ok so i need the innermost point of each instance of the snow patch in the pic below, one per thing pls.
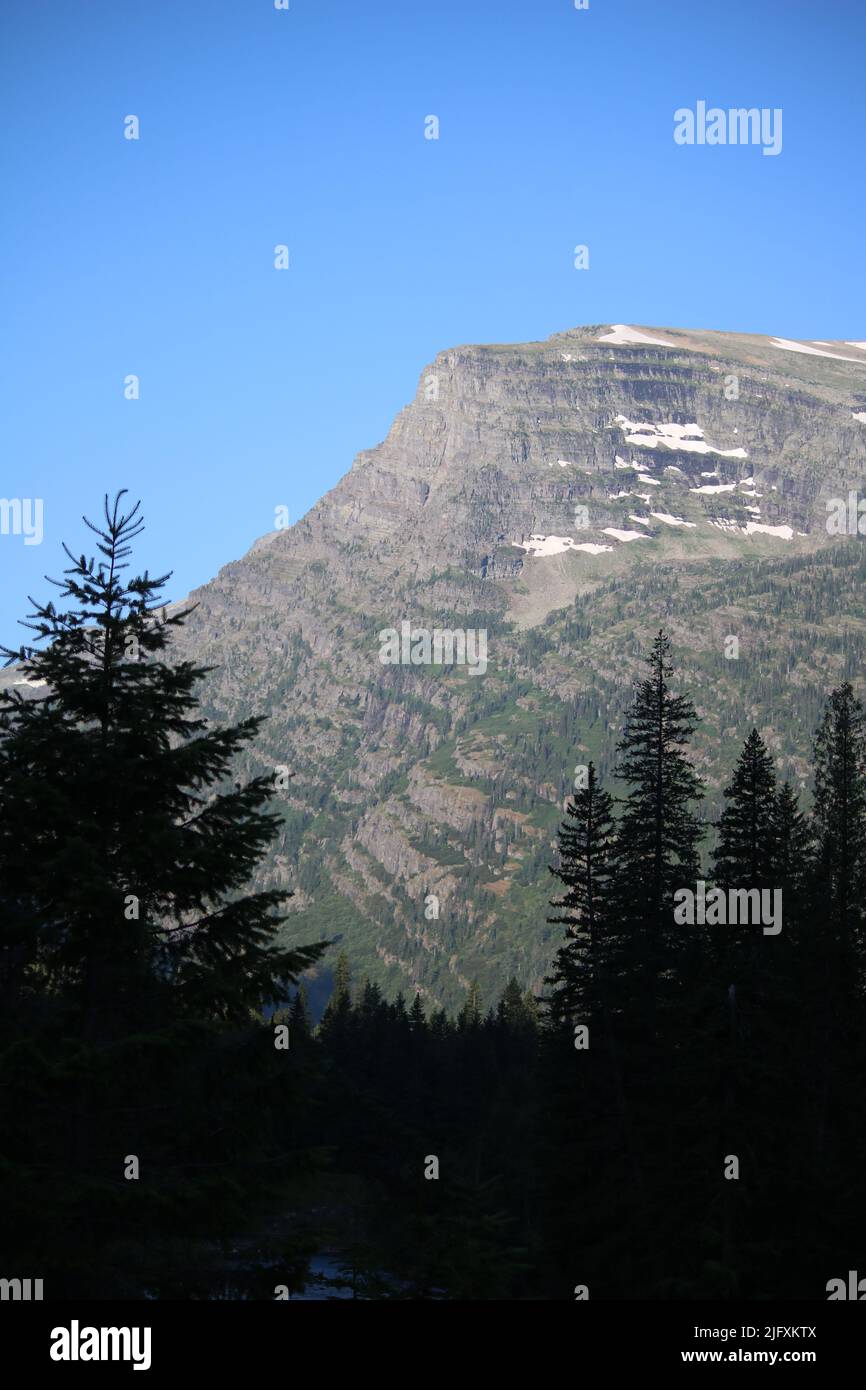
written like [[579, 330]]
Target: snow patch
[[621, 335], [788, 346], [714, 487], [672, 520], [782, 533], [684, 438], [642, 478], [624, 535], [753, 528], [859, 415], [555, 545]]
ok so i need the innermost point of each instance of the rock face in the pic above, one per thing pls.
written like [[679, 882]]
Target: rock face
[[567, 498]]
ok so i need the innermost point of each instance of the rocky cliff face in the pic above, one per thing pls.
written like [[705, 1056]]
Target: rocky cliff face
[[568, 498]]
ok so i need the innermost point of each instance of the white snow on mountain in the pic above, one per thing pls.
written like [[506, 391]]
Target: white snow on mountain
[[714, 487], [624, 535], [555, 545], [672, 520], [783, 533], [788, 346], [752, 528], [684, 438], [621, 335]]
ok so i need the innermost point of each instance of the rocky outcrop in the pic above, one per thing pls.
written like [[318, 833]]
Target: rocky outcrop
[[568, 497]]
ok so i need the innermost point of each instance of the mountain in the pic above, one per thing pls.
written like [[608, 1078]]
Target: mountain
[[568, 497]]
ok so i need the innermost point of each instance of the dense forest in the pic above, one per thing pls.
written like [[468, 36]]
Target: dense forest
[[678, 1115]]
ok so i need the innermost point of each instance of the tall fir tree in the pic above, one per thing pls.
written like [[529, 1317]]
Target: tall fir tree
[[129, 942], [658, 831], [745, 854], [793, 844], [840, 816], [127, 846], [586, 841]]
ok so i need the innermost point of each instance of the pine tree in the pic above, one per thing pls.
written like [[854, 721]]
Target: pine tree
[[658, 832], [469, 1016], [586, 842], [132, 953], [792, 840], [127, 849], [417, 1021], [745, 855], [840, 815], [299, 1016]]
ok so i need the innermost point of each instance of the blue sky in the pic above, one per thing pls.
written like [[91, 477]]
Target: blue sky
[[306, 127]]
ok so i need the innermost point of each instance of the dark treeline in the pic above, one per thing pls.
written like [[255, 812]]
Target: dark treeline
[[679, 1115]]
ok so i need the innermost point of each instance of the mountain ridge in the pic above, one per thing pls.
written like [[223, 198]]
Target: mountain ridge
[[569, 498]]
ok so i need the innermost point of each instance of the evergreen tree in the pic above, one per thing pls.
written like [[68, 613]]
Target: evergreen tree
[[586, 842], [792, 843], [127, 937], [126, 848], [417, 1021], [299, 1016], [658, 832], [840, 815], [745, 855], [470, 1015]]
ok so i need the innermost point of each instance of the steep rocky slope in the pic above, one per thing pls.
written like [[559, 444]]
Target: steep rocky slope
[[568, 497]]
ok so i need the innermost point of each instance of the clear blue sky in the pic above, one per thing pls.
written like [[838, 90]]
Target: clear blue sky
[[306, 127]]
